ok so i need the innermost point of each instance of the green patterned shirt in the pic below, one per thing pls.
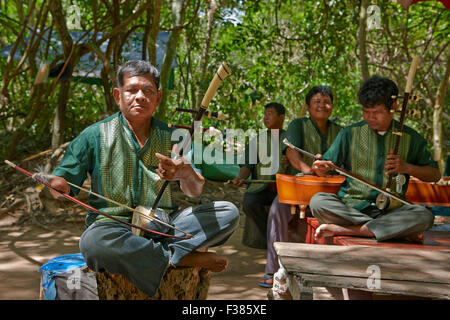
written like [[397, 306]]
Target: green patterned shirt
[[257, 169], [305, 134], [119, 168], [363, 151]]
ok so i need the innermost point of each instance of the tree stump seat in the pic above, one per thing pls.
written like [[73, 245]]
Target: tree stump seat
[[181, 283], [67, 277]]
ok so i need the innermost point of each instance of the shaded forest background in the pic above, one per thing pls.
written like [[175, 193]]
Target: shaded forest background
[[277, 50]]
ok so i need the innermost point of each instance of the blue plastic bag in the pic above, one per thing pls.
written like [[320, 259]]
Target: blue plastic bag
[[58, 266]]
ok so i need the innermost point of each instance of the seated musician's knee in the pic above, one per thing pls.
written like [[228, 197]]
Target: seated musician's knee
[[94, 249], [317, 201], [427, 218], [92, 253], [419, 217], [227, 212]]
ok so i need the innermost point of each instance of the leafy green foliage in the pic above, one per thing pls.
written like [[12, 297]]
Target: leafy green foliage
[[276, 50]]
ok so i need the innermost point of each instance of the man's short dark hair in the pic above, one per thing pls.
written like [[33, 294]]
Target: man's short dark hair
[[279, 108], [324, 90], [377, 90], [137, 68]]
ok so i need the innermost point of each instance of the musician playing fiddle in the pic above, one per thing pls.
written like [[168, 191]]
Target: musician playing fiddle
[[315, 134], [127, 155], [364, 150]]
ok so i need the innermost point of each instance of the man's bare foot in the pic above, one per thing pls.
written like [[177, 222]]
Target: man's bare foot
[[416, 238], [208, 260], [326, 230], [329, 230]]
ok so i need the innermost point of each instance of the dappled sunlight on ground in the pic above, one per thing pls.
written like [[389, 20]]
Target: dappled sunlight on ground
[[23, 249], [245, 268]]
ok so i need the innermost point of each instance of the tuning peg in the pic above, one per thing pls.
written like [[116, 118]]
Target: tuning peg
[[410, 97], [180, 126], [413, 112], [221, 116]]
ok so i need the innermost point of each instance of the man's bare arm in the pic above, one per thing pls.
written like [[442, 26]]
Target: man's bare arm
[[191, 182], [296, 160], [244, 173], [395, 164]]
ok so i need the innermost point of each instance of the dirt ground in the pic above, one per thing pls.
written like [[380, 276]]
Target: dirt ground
[[30, 235]]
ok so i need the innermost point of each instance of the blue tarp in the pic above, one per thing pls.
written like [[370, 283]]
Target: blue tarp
[[55, 267]]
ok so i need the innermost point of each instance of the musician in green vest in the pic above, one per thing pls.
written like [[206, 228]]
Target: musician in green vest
[[128, 157], [364, 150], [260, 195], [314, 134]]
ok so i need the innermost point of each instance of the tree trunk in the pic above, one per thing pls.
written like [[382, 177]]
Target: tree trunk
[[178, 11], [362, 31], [437, 118], [70, 54], [154, 30], [59, 121], [213, 5], [109, 100]]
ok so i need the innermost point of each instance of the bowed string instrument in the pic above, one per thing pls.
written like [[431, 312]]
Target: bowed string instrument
[[223, 72], [384, 201], [220, 75], [346, 173], [43, 179]]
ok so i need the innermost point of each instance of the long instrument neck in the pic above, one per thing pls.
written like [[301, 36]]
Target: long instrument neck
[[398, 133], [220, 75]]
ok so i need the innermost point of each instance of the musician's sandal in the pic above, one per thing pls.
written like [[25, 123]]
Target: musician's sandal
[[267, 282]]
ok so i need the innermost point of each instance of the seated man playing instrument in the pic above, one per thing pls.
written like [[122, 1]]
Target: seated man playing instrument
[[127, 156], [314, 134], [364, 150], [259, 194]]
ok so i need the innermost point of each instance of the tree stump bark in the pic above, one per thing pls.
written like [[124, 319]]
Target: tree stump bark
[[181, 283]]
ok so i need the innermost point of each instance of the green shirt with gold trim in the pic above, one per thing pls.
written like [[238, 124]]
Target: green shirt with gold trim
[[305, 134], [258, 168], [362, 151], [119, 168]]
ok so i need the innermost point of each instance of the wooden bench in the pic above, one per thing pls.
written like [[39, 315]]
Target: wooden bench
[[420, 273], [434, 244], [423, 270], [433, 240]]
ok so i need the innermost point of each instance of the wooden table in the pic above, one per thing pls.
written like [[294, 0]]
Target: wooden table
[[331, 262], [420, 273], [433, 240]]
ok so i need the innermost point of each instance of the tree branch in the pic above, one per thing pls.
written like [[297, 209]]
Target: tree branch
[[194, 15], [117, 29]]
